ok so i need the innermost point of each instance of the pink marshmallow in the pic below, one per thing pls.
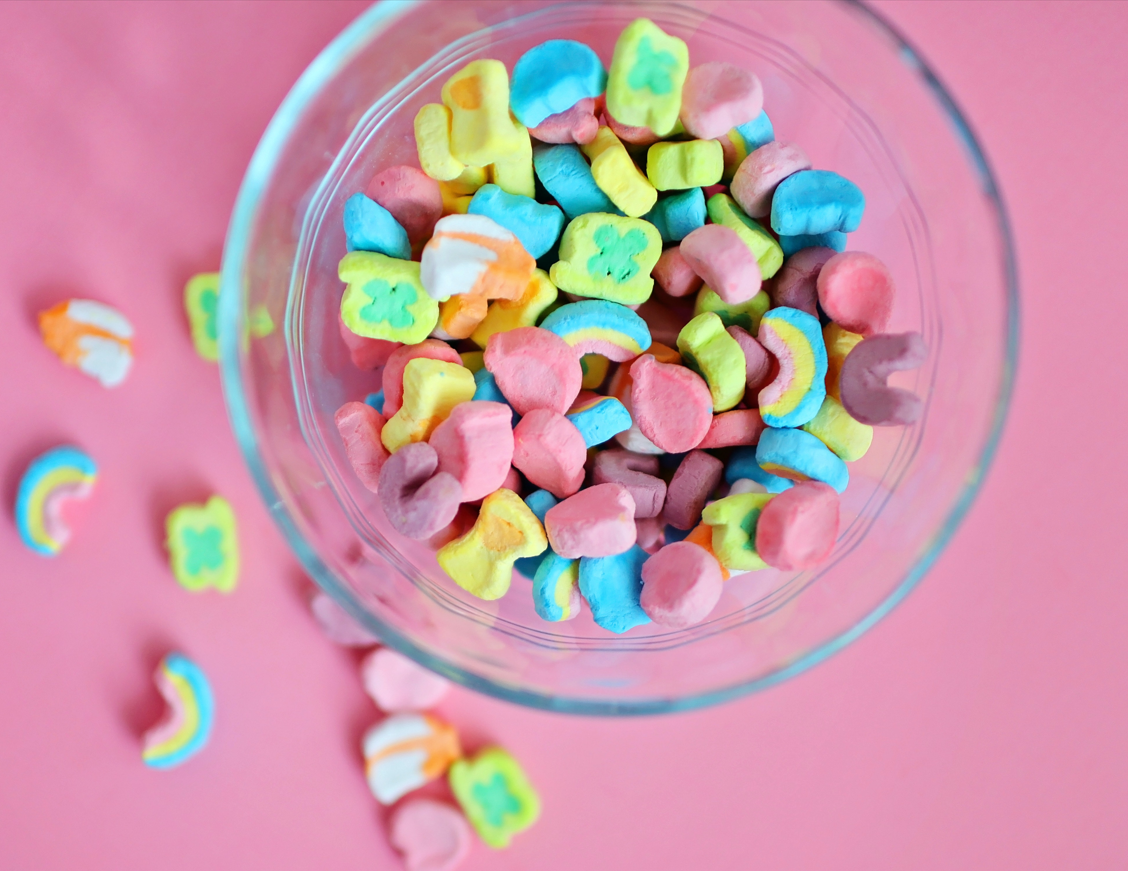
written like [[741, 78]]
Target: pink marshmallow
[[475, 444], [674, 274], [723, 261], [397, 684], [431, 835], [796, 283], [670, 403], [550, 452], [718, 96], [577, 124], [758, 361], [760, 173], [534, 368], [366, 353], [681, 584], [741, 426], [650, 533], [360, 426], [418, 500], [597, 521], [696, 478], [339, 625], [412, 197], [856, 291], [432, 349], [798, 527], [638, 473], [861, 384]]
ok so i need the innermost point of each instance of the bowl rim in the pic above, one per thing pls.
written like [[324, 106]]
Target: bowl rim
[[230, 315]]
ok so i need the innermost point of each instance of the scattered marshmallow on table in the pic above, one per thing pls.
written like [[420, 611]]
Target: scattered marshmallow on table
[[53, 490], [495, 794], [202, 545], [405, 751], [398, 685], [186, 726], [430, 835], [91, 336]]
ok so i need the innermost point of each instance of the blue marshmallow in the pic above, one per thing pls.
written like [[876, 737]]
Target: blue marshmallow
[[602, 419], [756, 132], [376, 400], [536, 225], [371, 227], [742, 464], [801, 452], [567, 177], [539, 501], [816, 201], [679, 215], [612, 586], [553, 77], [835, 239]]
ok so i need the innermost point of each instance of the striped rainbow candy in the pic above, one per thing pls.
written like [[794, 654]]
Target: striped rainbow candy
[[92, 336], [187, 725], [51, 485], [473, 254], [406, 751], [598, 326], [556, 594], [795, 338]]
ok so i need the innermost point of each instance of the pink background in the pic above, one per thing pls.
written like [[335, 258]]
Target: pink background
[[981, 725]]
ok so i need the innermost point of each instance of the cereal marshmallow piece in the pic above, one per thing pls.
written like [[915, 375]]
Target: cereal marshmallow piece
[[835, 428], [418, 499], [203, 550], [431, 390], [617, 176], [856, 291], [91, 336], [697, 476], [432, 140], [608, 257], [817, 201], [678, 215], [745, 315], [535, 225], [866, 396], [599, 418], [681, 584], [186, 726], [794, 396], [385, 298], [534, 368], [495, 795], [839, 343], [550, 451], [671, 404], [371, 227], [717, 97], [796, 284], [552, 78], [742, 466], [644, 84], [674, 274], [724, 262], [430, 835], [474, 255], [611, 586], [514, 172], [405, 751], [481, 561], [568, 179], [596, 326], [360, 426], [638, 473], [392, 376], [757, 360], [556, 594], [835, 240], [509, 314], [475, 444], [733, 521], [596, 522], [481, 130], [54, 485], [741, 426], [539, 501], [723, 210], [761, 172], [577, 124], [715, 356], [797, 529], [201, 301], [675, 166], [798, 455], [412, 197]]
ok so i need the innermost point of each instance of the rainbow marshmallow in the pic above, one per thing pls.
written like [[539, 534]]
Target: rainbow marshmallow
[[50, 487], [187, 725], [796, 393], [406, 751], [597, 326], [91, 336]]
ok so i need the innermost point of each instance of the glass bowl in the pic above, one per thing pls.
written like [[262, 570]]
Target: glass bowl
[[839, 82]]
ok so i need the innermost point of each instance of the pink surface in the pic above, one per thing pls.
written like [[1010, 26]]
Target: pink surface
[[980, 726]]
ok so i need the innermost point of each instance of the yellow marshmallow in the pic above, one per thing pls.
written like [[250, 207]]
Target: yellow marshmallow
[[723, 210], [738, 314], [834, 427], [504, 315], [716, 356], [481, 130], [431, 390], [453, 203], [432, 140], [733, 523], [481, 561], [617, 176], [839, 343], [672, 166], [595, 368], [473, 360], [644, 83], [472, 178], [514, 174]]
